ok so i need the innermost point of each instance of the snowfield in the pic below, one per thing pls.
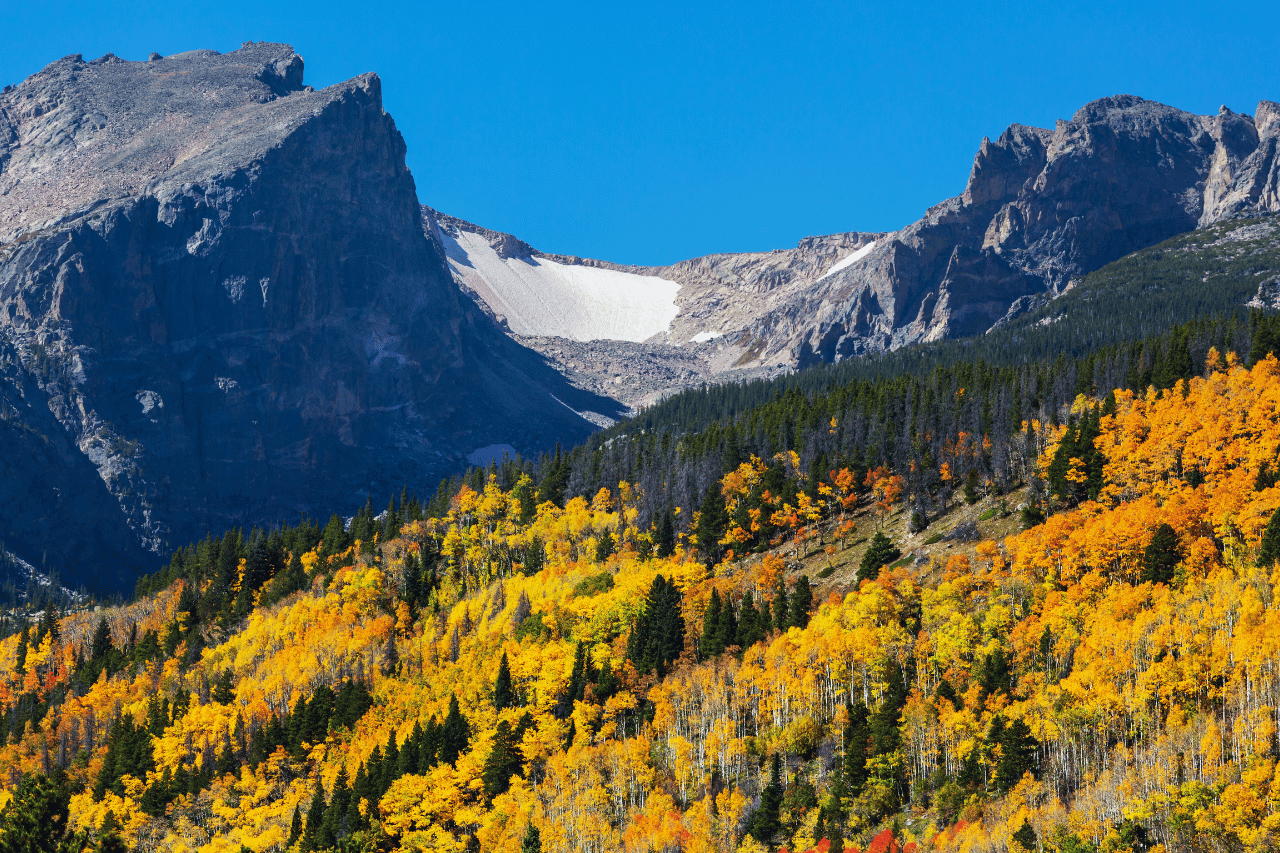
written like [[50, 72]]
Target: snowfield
[[542, 297], [849, 260]]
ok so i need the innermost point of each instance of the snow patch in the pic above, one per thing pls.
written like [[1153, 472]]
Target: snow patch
[[538, 296], [703, 337], [849, 260], [482, 456]]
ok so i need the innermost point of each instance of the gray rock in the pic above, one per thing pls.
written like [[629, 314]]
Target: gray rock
[[218, 307]]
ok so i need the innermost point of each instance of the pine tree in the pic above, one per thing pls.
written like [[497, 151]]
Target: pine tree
[[101, 643], [765, 822], [713, 521], [1161, 556], [1270, 551], [504, 694], [879, 554], [749, 629], [532, 840], [657, 635], [727, 630], [801, 603], [857, 746], [1026, 836], [24, 638], [455, 734], [504, 761], [315, 817], [780, 605], [885, 734], [295, 827], [604, 546], [666, 534], [37, 816], [334, 825], [1017, 755]]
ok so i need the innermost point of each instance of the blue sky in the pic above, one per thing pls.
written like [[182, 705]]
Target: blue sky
[[650, 132]]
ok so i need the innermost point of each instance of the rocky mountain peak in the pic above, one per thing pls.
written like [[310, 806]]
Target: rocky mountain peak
[[218, 308]]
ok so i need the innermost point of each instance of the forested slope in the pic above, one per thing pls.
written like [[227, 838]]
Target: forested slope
[[509, 674]]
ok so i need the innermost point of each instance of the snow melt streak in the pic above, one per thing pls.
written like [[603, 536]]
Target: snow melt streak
[[849, 260]]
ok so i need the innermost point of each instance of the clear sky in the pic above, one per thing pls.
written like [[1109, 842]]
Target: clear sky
[[650, 132]]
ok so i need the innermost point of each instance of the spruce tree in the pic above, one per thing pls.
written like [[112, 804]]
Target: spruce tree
[[766, 822], [1161, 556], [666, 534], [315, 817], [504, 761], [727, 630], [780, 605], [532, 840], [713, 521], [657, 635], [857, 746], [1270, 551], [749, 630], [455, 734], [879, 554], [1017, 755], [504, 694], [604, 545], [1025, 837], [801, 603], [295, 827]]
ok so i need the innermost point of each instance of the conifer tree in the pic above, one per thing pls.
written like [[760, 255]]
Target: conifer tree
[[455, 734], [315, 817], [801, 603], [504, 694], [657, 635], [1270, 551], [879, 554], [504, 761], [1161, 556], [780, 605], [1017, 755], [713, 521], [532, 840], [766, 822], [710, 645], [750, 631], [857, 743], [1025, 837], [666, 534], [295, 827], [727, 630], [604, 545]]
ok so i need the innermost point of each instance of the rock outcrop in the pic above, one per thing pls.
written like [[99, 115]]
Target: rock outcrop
[[218, 307], [1041, 207]]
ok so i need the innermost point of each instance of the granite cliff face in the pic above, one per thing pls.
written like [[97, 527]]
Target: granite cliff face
[[218, 307]]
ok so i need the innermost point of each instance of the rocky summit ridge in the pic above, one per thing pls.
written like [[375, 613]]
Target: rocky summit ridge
[[218, 308], [1041, 208]]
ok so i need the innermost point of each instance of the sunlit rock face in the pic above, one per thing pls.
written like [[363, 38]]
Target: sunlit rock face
[[218, 307]]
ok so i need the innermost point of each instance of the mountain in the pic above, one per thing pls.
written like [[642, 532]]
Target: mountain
[[1041, 208], [218, 308]]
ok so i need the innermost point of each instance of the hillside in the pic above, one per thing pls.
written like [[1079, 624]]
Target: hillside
[[488, 671]]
